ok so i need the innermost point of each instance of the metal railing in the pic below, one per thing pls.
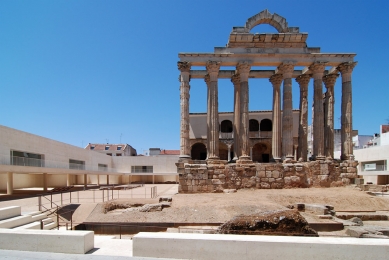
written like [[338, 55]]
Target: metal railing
[[24, 161], [60, 199], [6, 159]]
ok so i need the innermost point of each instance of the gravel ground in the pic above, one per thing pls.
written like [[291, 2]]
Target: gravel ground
[[221, 207]]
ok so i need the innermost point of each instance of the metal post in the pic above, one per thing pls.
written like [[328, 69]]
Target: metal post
[[118, 194], [40, 203], [103, 194], [51, 200], [61, 198], [78, 197], [120, 228], [57, 219], [41, 224], [71, 221], [70, 197]]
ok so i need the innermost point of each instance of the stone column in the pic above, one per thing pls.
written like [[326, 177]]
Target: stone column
[[213, 110], [44, 176], [207, 80], [346, 117], [329, 82], [302, 149], [10, 183], [318, 120], [236, 81], [184, 67], [287, 110], [276, 81], [243, 69]]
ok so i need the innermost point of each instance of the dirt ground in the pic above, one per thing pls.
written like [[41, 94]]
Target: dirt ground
[[221, 207]]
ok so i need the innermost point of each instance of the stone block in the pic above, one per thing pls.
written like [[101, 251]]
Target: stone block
[[295, 179], [216, 182], [299, 169], [194, 188], [287, 180], [280, 180], [272, 180], [265, 185], [323, 178], [261, 174], [275, 185], [265, 179], [221, 176], [268, 174], [210, 188], [189, 176], [275, 174], [356, 232], [351, 170]]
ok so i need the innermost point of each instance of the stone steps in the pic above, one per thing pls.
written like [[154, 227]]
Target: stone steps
[[11, 218]]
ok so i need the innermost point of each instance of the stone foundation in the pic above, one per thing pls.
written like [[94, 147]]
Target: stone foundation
[[217, 175]]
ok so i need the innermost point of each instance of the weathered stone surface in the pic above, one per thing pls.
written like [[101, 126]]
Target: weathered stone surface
[[283, 222]]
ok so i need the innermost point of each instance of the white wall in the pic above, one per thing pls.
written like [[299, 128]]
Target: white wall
[[56, 154]]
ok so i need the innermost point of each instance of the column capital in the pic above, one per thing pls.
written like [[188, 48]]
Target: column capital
[[286, 68], [317, 69], [276, 80], [346, 67], [184, 66], [303, 80], [213, 69], [330, 79], [235, 79], [243, 70]]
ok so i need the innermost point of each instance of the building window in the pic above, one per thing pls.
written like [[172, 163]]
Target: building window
[[107, 147], [109, 154], [119, 148], [76, 164], [266, 125], [141, 169], [102, 167], [226, 126], [118, 154], [26, 159], [92, 147], [253, 125]]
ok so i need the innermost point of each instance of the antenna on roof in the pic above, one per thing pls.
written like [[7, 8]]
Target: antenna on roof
[[107, 140]]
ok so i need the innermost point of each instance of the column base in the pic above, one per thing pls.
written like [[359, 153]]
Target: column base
[[277, 159]]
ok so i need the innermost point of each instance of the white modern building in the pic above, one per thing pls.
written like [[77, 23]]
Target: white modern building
[[372, 153], [28, 160]]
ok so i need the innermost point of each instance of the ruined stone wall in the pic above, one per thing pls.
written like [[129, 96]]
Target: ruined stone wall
[[218, 175]]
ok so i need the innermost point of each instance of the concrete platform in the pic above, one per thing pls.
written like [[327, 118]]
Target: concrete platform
[[207, 246], [55, 241]]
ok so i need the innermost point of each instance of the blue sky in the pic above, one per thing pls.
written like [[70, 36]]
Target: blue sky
[[105, 71]]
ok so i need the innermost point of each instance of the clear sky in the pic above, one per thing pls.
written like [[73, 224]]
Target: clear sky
[[84, 72]]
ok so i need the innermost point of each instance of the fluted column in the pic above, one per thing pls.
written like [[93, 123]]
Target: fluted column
[[287, 110], [207, 80], [318, 120], [184, 67], [213, 109], [236, 81], [346, 117], [329, 82], [276, 81], [243, 69], [302, 149]]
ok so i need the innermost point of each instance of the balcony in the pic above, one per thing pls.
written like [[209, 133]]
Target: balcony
[[24, 161], [260, 134]]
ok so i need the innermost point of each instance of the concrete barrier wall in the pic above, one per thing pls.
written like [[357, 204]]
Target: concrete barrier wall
[[55, 241], [207, 246], [9, 212]]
